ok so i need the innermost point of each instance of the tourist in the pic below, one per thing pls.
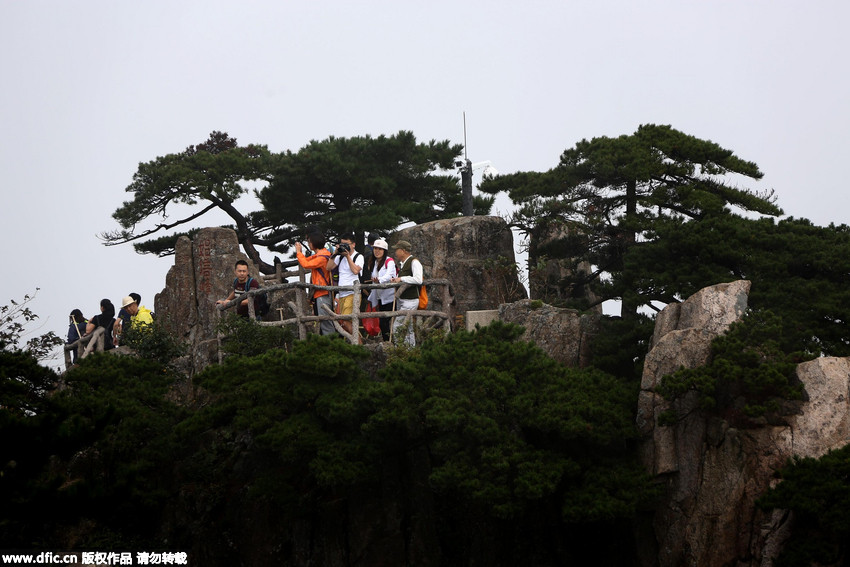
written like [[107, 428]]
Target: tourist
[[382, 268], [76, 331], [349, 263], [105, 319], [317, 263], [123, 317], [139, 314], [409, 272], [243, 283]]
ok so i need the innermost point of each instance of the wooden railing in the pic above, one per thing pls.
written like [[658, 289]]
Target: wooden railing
[[304, 313], [85, 345]]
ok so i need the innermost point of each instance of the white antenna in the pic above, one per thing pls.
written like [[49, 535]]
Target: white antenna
[[465, 151], [466, 167], [466, 176]]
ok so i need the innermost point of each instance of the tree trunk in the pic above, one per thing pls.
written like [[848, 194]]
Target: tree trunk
[[245, 237], [631, 300]]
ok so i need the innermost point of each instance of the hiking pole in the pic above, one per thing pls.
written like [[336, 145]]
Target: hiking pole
[[392, 323]]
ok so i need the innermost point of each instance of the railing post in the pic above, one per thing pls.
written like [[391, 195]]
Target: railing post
[[301, 300], [218, 336], [355, 311], [447, 299], [252, 313]]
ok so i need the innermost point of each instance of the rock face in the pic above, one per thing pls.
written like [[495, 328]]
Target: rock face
[[564, 334], [712, 472], [475, 253], [202, 273]]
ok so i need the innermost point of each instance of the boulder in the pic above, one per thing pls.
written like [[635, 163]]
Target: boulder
[[476, 254], [712, 472], [564, 334], [711, 309]]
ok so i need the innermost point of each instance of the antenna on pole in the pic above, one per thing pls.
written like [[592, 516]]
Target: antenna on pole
[[465, 151], [466, 176]]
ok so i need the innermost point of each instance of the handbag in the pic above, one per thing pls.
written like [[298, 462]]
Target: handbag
[[371, 325]]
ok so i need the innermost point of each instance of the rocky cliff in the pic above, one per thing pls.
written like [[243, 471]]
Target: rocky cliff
[[475, 253], [712, 472], [564, 334], [202, 273]]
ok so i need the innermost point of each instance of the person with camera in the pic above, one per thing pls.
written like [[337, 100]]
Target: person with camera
[[320, 274], [349, 263]]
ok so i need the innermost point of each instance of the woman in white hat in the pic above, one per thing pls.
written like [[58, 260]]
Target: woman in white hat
[[383, 270]]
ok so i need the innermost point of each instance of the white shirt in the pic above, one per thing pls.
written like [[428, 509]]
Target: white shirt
[[384, 271], [346, 276], [416, 268]]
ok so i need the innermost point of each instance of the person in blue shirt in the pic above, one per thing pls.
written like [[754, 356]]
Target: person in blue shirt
[[76, 330]]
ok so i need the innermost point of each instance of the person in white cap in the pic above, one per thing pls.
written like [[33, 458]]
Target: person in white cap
[[383, 270], [139, 314]]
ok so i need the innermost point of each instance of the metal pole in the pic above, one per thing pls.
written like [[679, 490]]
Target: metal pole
[[466, 186]]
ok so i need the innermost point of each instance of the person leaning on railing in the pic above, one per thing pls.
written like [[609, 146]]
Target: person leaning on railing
[[105, 319], [383, 270], [76, 330], [409, 272]]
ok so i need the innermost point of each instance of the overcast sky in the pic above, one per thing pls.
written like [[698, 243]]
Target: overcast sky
[[92, 88]]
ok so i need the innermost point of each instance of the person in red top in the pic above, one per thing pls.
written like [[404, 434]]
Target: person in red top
[[317, 263]]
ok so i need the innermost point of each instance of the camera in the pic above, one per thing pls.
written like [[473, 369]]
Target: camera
[[342, 248], [459, 163]]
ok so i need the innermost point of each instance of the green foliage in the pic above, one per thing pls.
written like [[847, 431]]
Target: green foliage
[[340, 184], [24, 384], [621, 345], [504, 435], [212, 174], [163, 245], [749, 375], [817, 491], [607, 192], [362, 184], [301, 411], [797, 269], [120, 405], [27, 421], [154, 342], [247, 338], [506, 425], [485, 428], [14, 319], [98, 449]]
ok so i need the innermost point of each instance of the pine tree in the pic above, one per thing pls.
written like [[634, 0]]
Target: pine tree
[[213, 174], [363, 184], [607, 193]]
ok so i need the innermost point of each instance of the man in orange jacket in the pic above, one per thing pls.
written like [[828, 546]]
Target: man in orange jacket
[[317, 263]]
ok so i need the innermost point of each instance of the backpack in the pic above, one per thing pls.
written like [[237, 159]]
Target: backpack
[[423, 297], [261, 302]]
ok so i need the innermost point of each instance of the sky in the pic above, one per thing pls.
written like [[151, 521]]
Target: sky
[[92, 88]]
